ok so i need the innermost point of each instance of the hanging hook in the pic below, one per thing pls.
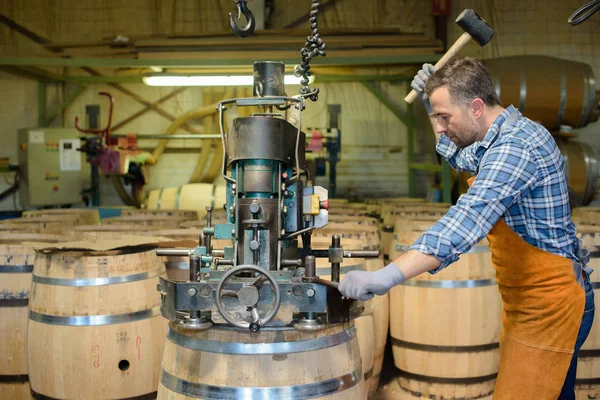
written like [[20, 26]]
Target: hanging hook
[[249, 28]]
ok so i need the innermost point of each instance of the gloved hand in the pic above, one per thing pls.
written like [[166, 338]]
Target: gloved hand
[[362, 285], [418, 83]]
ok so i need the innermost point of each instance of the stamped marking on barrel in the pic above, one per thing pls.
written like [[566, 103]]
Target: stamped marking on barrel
[[96, 355], [122, 337]]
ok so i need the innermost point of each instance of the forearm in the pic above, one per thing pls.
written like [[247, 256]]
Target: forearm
[[413, 263], [433, 120]]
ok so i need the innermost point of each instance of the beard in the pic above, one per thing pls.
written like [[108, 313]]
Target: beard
[[465, 134]]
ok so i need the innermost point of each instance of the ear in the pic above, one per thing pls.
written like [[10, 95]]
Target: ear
[[477, 106]]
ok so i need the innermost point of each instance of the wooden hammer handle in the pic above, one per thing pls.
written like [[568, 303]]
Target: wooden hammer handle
[[452, 51]]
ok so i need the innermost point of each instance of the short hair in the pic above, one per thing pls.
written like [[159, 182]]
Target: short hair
[[466, 79]]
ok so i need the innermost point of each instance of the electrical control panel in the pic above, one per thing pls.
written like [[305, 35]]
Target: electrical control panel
[[50, 166]]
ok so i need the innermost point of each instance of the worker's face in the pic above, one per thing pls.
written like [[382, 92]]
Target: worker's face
[[458, 123]]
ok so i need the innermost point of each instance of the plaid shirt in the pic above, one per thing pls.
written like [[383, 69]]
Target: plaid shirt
[[520, 178]]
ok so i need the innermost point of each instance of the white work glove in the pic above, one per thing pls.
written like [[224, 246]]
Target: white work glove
[[362, 285], [418, 83]]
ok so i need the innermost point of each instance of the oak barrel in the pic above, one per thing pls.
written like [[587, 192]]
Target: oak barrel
[[16, 265], [154, 222], [581, 170], [231, 364], [95, 329], [368, 235], [364, 324], [193, 196], [445, 327], [85, 216], [548, 90]]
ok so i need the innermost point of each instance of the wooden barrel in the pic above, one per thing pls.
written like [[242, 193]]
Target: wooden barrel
[[548, 90], [155, 222], [359, 219], [190, 215], [445, 327], [368, 235], [16, 265], [365, 324], [108, 232], [46, 224], [581, 169], [95, 329], [193, 196], [349, 209], [377, 206], [429, 211], [587, 384], [85, 216], [230, 364]]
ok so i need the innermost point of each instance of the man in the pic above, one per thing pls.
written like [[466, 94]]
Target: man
[[519, 199]]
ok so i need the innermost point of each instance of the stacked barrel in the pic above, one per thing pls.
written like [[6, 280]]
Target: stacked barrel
[[353, 221], [81, 323]]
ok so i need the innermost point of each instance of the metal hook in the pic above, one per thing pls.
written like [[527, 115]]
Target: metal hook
[[249, 28]]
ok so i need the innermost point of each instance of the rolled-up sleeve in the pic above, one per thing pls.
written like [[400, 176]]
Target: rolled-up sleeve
[[507, 172]]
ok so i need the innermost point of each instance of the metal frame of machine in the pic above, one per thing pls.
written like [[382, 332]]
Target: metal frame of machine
[[264, 279]]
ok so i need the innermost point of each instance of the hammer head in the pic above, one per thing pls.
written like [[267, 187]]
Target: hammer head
[[475, 26]]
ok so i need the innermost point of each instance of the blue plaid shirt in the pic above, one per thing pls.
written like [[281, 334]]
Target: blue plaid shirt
[[520, 178]]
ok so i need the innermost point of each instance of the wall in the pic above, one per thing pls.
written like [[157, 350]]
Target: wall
[[521, 28]]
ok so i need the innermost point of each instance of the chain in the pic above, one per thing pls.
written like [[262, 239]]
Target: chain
[[314, 47]]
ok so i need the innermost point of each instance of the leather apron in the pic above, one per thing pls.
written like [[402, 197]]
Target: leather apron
[[543, 309]]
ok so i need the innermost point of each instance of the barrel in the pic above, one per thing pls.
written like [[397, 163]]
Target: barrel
[[349, 208], [548, 90], [427, 211], [587, 383], [16, 265], [369, 237], [193, 196], [95, 329], [155, 222], [274, 363], [377, 206], [359, 219], [84, 216], [581, 170], [445, 327], [46, 224], [190, 215], [365, 324], [108, 232]]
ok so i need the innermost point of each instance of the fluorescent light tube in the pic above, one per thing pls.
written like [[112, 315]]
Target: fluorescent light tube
[[214, 80]]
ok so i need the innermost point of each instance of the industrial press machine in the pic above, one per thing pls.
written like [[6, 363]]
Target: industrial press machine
[[267, 276]]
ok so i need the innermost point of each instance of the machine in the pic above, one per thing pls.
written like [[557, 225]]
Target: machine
[[50, 166], [267, 276]]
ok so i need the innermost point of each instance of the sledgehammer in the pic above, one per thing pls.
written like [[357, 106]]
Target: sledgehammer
[[475, 28]]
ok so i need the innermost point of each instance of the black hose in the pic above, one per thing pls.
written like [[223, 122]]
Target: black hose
[[584, 12]]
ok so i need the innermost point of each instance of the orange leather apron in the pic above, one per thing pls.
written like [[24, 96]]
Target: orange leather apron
[[543, 309]]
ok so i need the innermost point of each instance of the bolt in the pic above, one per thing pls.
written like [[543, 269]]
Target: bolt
[[192, 291], [205, 290], [254, 208], [311, 292], [285, 209], [254, 245]]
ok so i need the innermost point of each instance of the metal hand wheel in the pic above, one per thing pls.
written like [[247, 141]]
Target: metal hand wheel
[[248, 296]]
